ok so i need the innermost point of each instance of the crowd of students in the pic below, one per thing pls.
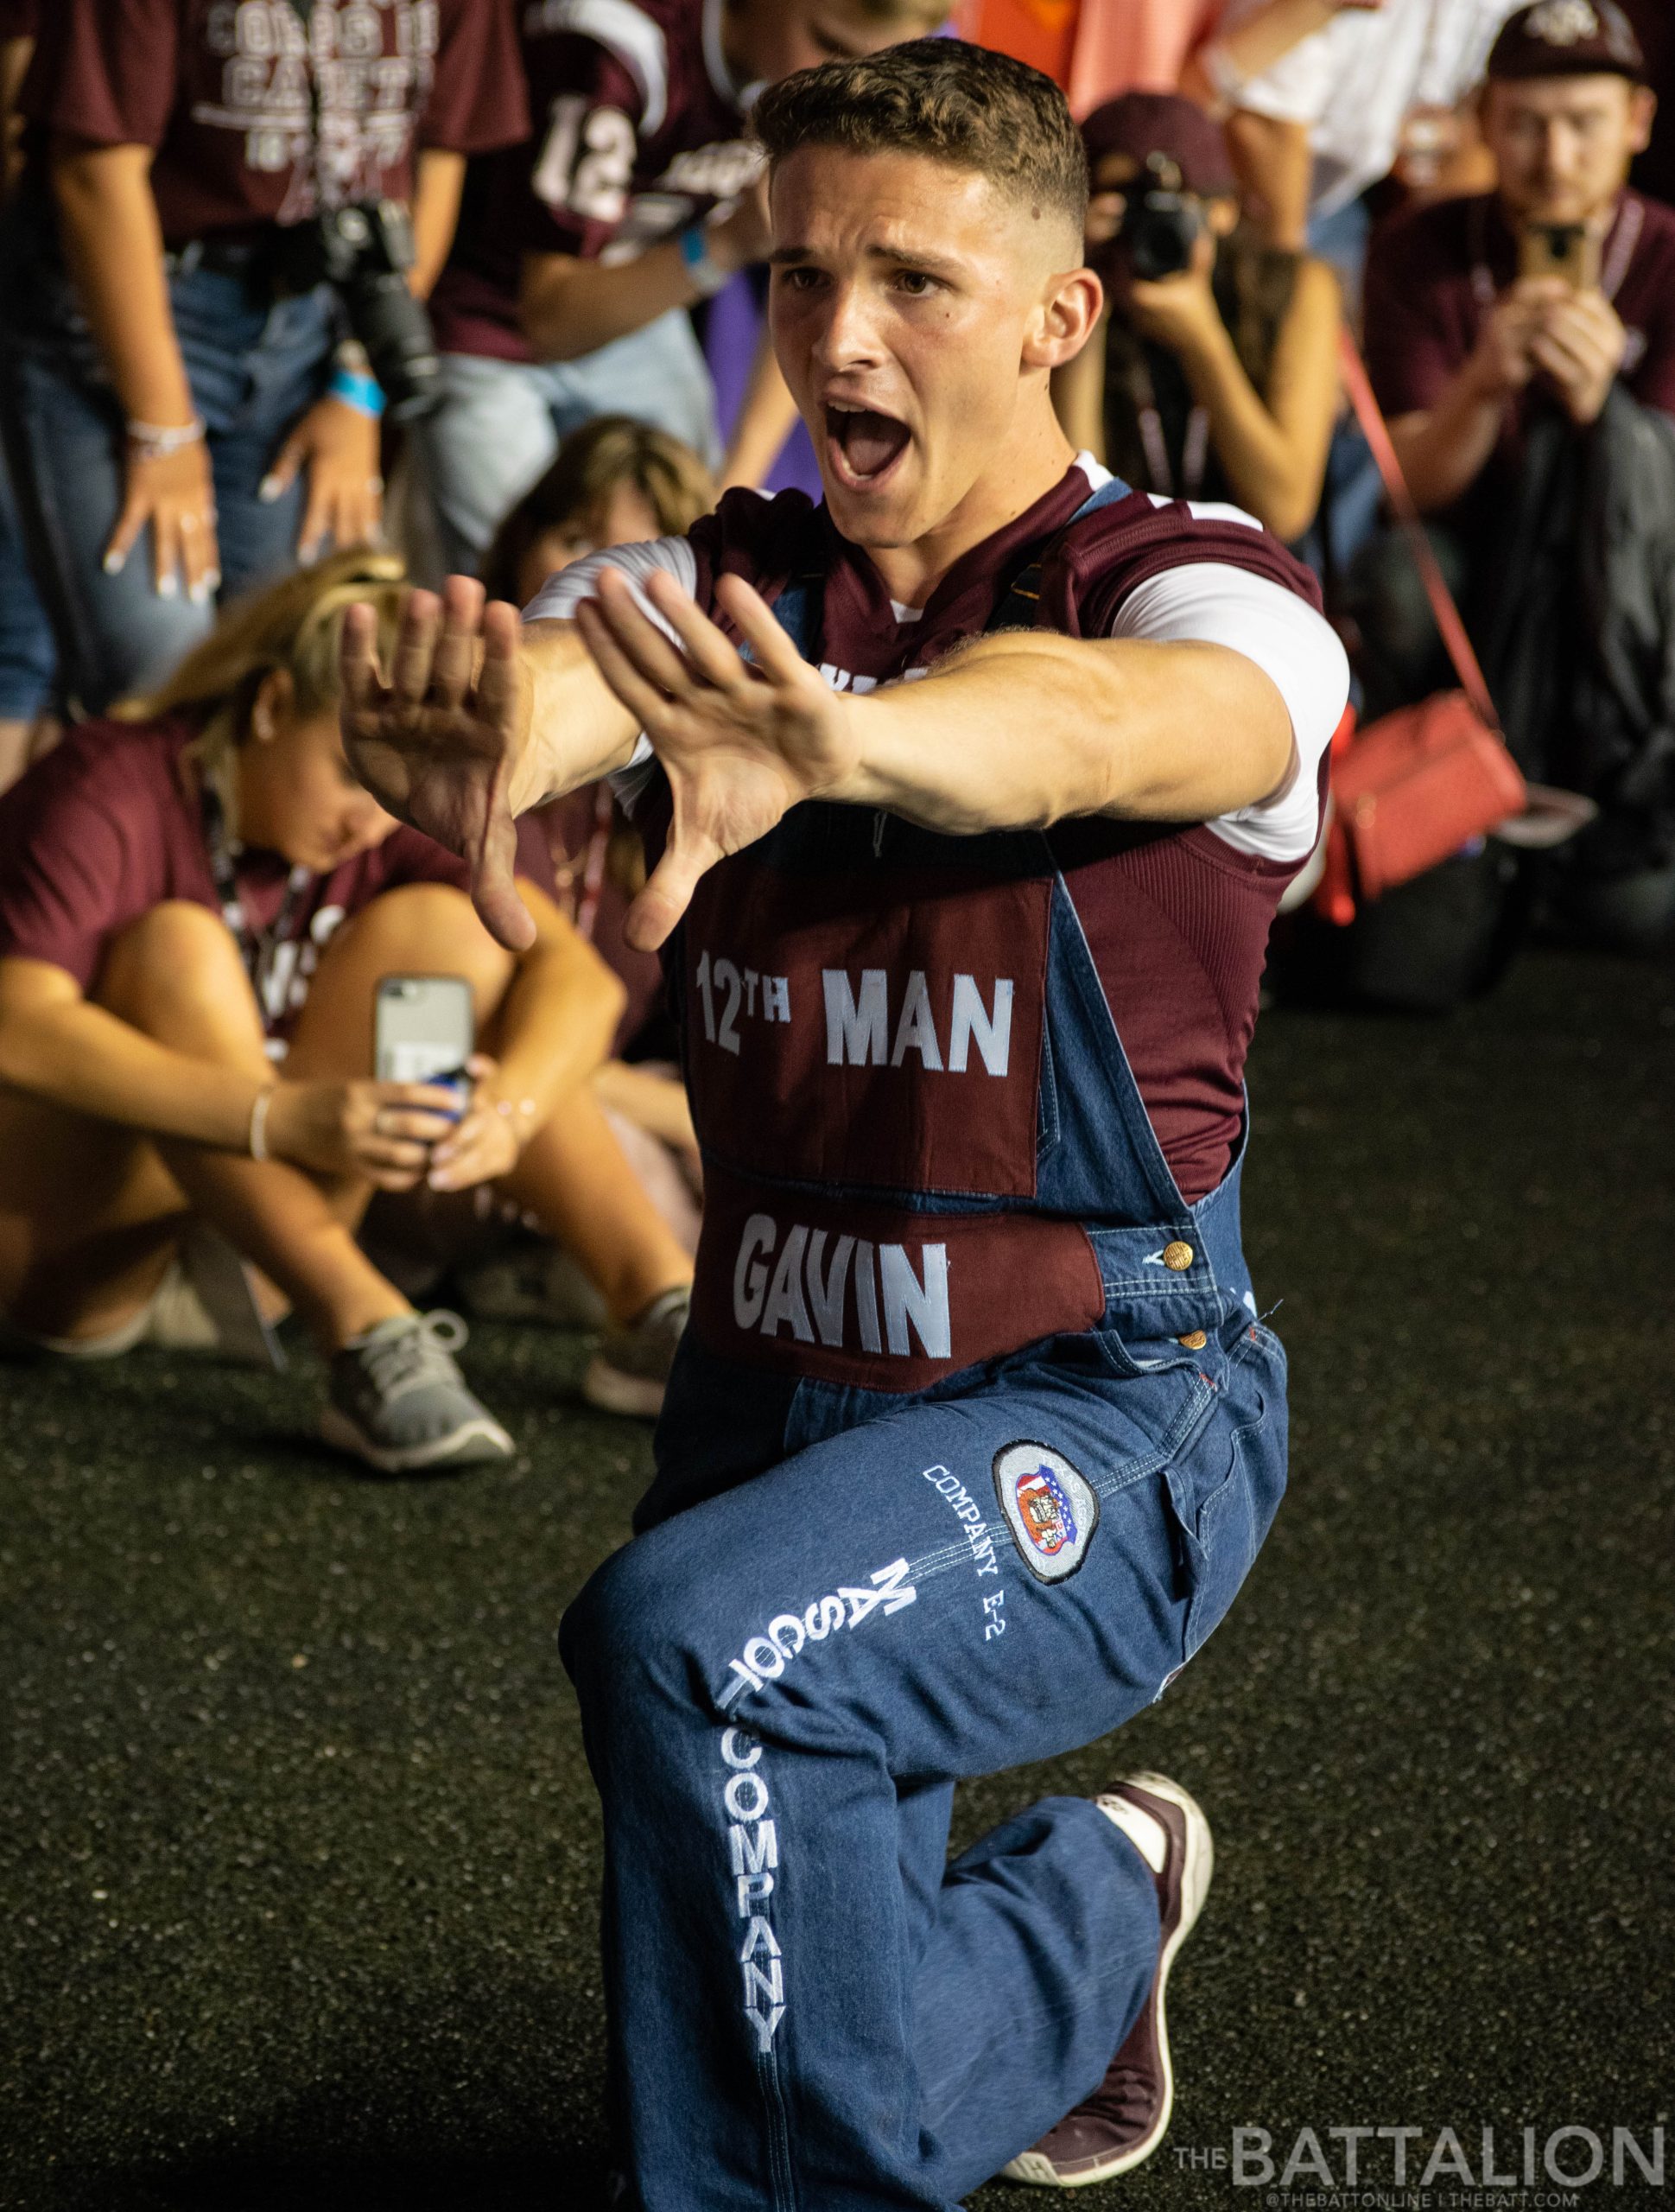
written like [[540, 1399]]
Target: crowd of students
[[253, 258]]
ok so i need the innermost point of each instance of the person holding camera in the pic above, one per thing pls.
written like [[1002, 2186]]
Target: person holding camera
[[197, 903], [581, 253], [1523, 344], [1212, 373], [214, 270]]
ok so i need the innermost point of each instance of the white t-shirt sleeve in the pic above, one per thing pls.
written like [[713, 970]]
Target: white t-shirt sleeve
[[1212, 602], [560, 596], [1298, 88]]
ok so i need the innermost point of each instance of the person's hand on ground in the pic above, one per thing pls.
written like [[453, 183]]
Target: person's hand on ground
[[380, 1133], [1579, 345], [740, 744], [485, 1142], [338, 446], [439, 743], [175, 491]]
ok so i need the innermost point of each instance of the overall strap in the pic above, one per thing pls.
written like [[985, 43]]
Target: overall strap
[[797, 607], [1017, 611]]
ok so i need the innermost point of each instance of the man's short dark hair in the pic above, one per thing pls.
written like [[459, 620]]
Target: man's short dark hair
[[946, 100]]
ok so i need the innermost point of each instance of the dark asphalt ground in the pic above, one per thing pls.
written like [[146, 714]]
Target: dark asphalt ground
[[299, 1854]]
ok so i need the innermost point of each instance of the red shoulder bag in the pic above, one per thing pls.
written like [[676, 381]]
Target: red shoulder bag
[[1416, 786]]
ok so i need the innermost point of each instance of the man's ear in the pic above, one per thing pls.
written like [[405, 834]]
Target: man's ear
[[1066, 318], [271, 709], [1642, 113]]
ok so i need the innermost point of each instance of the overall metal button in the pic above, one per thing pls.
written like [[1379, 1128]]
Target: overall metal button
[[1195, 1340], [1177, 1257]]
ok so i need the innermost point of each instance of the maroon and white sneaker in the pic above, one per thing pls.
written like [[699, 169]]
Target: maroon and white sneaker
[[1128, 2116]]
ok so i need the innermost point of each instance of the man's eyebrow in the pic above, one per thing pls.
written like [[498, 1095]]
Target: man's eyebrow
[[900, 257]]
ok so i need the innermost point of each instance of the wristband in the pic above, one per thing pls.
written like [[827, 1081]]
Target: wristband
[[363, 393], [258, 1127], [705, 270], [157, 440]]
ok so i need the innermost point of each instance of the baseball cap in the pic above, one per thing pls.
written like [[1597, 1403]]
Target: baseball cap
[[1567, 38], [1139, 123]]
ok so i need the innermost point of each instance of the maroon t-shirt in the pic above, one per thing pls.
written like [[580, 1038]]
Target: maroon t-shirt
[[1177, 919], [109, 825], [579, 830], [222, 92], [637, 130], [1432, 275]]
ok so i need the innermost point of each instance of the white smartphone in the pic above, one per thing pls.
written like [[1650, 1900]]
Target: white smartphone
[[424, 1031]]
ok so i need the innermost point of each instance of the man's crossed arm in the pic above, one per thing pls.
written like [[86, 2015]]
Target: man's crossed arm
[[480, 717]]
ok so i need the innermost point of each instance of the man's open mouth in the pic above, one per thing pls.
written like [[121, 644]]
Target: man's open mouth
[[863, 445]]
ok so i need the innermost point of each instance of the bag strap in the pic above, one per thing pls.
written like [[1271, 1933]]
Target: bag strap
[[1467, 666]]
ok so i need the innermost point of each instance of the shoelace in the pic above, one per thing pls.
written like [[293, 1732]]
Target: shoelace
[[424, 1353]]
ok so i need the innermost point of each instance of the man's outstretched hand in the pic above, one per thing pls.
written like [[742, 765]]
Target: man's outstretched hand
[[438, 741], [740, 743]]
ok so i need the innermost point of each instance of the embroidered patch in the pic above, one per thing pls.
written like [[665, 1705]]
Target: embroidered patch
[[1050, 1509], [1562, 22]]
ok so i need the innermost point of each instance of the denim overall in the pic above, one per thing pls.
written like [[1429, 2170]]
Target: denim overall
[[871, 1566]]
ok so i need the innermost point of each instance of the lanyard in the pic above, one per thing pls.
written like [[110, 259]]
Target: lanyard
[[257, 949], [1195, 447], [584, 884]]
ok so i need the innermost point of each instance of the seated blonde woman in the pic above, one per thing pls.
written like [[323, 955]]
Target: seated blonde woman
[[197, 903]]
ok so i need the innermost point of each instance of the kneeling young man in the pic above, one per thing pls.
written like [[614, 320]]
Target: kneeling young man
[[974, 1432]]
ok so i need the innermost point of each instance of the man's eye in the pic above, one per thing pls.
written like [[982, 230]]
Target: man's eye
[[799, 279], [916, 284]]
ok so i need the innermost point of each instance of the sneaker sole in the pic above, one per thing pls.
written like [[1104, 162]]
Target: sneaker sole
[[473, 1444], [613, 1392], [1029, 2166]]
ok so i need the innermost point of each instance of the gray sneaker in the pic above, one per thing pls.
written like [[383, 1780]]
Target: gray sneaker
[[629, 1372], [398, 1401]]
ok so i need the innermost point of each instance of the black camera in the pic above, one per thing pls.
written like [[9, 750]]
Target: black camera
[[364, 252], [1161, 222]]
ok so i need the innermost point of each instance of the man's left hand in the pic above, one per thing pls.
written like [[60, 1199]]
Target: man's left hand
[[337, 445], [485, 1143], [1580, 346], [740, 743]]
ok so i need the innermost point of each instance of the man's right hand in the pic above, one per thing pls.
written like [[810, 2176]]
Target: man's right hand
[[1502, 363], [440, 743]]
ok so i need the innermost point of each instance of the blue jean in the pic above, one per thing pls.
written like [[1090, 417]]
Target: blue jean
[[500, 423], [779, 1687], [27, 654], [255, 364]]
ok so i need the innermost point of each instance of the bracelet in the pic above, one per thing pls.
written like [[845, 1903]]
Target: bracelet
[[157, 440], [258, 1127], [701, 266], [364, 393]]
